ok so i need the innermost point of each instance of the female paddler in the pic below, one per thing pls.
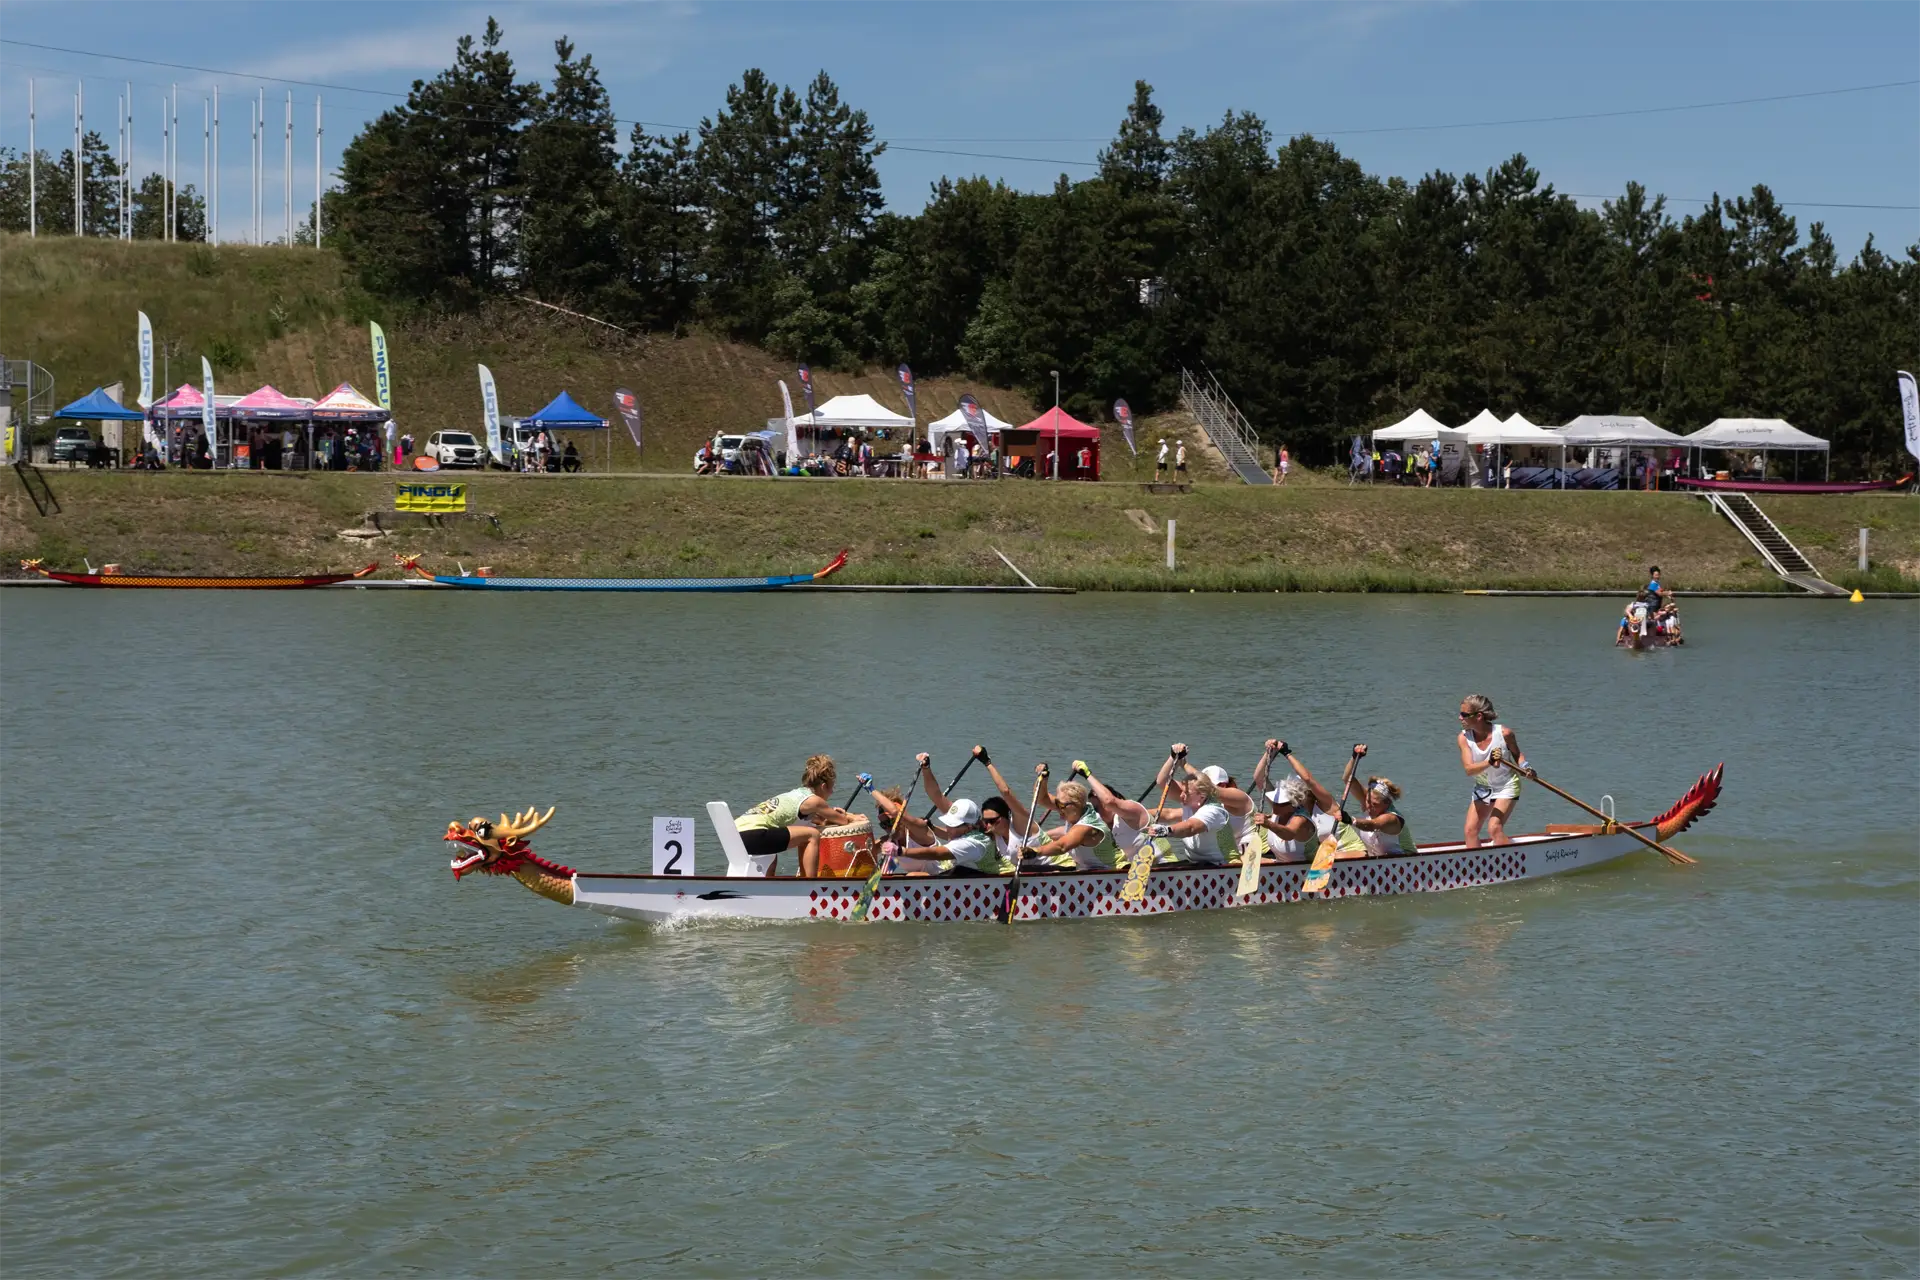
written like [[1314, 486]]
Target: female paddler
[[775, 825], [1080, 843], [1381, 827], [1304, 812], [1496, 786]]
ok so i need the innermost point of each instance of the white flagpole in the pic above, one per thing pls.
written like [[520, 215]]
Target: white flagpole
[[253, 167], [206, 160], [319, 178], [79, 153], [173, 168], [213, 179], [126, 170], [286, 169], [260, 171], [33, 171]]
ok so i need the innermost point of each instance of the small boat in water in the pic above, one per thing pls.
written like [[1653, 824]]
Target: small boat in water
[[501, 849], [488, 582], [1795, 486], [110, 576]]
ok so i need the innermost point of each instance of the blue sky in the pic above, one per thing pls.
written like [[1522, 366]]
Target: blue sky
[[1050, 81]]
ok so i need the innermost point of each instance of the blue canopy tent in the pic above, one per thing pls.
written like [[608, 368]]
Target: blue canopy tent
[[566, 414], [97, 406]]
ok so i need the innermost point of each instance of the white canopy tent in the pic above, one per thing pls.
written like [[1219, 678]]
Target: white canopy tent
[[1491, 432], [857, 413], [1767, 435], [1418, 425], [1596, 431], [938, 431], [1480, 421]]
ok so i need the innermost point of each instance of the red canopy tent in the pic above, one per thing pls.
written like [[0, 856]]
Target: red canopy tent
[[1056, 428]]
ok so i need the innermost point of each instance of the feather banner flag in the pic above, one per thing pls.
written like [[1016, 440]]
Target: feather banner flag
[[906, 384], [146, 361], [971, 414], [208, 423], [1123, 415], [793, 434], [629, 406], [382, 378], [490, 411], [1910, 410], [806, 385]]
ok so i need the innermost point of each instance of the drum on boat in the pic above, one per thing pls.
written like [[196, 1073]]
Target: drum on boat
[[847, 851]]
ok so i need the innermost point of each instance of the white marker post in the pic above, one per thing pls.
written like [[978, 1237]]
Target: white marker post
[[673, 846], [1863, 551], [1169, 544]]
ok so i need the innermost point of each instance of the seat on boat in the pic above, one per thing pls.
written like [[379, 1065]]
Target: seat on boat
[[739, 862]]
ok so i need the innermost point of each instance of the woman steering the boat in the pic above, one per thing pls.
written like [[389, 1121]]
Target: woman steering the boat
[[775, 824], [1496, 786]]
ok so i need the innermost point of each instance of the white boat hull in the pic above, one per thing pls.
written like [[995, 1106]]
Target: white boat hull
[[1087, 894]]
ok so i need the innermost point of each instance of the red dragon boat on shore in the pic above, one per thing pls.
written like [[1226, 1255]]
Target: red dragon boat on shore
[[1795, 486], [110, 576]]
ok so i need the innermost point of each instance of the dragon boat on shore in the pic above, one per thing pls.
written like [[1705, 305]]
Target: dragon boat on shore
[[110, 576], [485, 580], [501, 849]]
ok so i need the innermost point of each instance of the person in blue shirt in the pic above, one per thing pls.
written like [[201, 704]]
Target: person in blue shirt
[[1654, 589]]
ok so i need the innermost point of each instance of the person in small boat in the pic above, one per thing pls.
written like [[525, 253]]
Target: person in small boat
[[1304, 812], [792, 819], [1666, 622], [1496, 786], [1381, 828]]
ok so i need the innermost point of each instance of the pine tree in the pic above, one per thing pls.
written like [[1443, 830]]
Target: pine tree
[[571, 207], [661, 233]]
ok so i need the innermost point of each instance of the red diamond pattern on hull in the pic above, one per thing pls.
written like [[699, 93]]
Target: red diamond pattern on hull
[[1073, 897]]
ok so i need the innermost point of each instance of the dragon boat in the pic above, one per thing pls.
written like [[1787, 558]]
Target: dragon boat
[[501, 849], [110, 576], [1794, 486], [485, 580]]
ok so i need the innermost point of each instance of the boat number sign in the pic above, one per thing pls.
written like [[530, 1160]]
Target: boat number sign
[[430, 497], [673, 846]]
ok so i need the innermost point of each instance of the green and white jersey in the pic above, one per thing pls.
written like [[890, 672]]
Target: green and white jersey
[[782, 810], [980, 852]]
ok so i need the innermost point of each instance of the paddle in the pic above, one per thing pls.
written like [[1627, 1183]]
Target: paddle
[[861, 781], [1672, 855], [1142, 866], [1250, 862], [1320, 874], [977, 755], [1013, 887], [865, 901]]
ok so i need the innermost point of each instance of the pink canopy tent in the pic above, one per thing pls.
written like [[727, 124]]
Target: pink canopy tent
[[345, 404], [1056, 428], [269, 403]]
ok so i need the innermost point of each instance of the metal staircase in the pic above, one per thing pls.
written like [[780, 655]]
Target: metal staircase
[[1774, 546], [1224, 424]]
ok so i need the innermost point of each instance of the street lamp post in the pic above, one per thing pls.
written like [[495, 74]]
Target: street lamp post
[[1056, 423]]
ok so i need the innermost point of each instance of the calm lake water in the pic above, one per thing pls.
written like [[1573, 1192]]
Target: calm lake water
[[249, 1024]]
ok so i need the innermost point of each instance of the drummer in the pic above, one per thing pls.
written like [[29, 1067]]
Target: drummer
[[776, 824]]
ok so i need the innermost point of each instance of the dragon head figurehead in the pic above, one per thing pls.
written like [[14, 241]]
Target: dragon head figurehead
[[501, 849]]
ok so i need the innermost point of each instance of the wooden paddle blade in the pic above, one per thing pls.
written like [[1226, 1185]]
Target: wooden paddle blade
[[865, 904], [1137, 872], [1320, 874], [1249, 871]]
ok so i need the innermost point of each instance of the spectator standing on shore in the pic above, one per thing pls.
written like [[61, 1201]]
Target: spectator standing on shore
[[1180, 460], [962, 456], [1433, 463], [1286, 463], [1160, 460], [1084, 461]]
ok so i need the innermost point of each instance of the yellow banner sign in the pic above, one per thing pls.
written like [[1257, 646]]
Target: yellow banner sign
[[430, 497]]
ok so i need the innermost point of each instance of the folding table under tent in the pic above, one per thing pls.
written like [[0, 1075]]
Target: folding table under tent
[[1768, 435], [564, 413]]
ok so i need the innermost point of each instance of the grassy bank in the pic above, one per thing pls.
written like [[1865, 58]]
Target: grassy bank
[[1314, 536]]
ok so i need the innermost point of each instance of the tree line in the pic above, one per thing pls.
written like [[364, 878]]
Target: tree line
[[1327, 300], [40, 195]]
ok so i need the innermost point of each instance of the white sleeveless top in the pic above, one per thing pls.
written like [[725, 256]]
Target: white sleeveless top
[[1499, 775]]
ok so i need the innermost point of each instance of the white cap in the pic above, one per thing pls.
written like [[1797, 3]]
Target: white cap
[[1216, 775], [963, 813], [1293, 791]]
